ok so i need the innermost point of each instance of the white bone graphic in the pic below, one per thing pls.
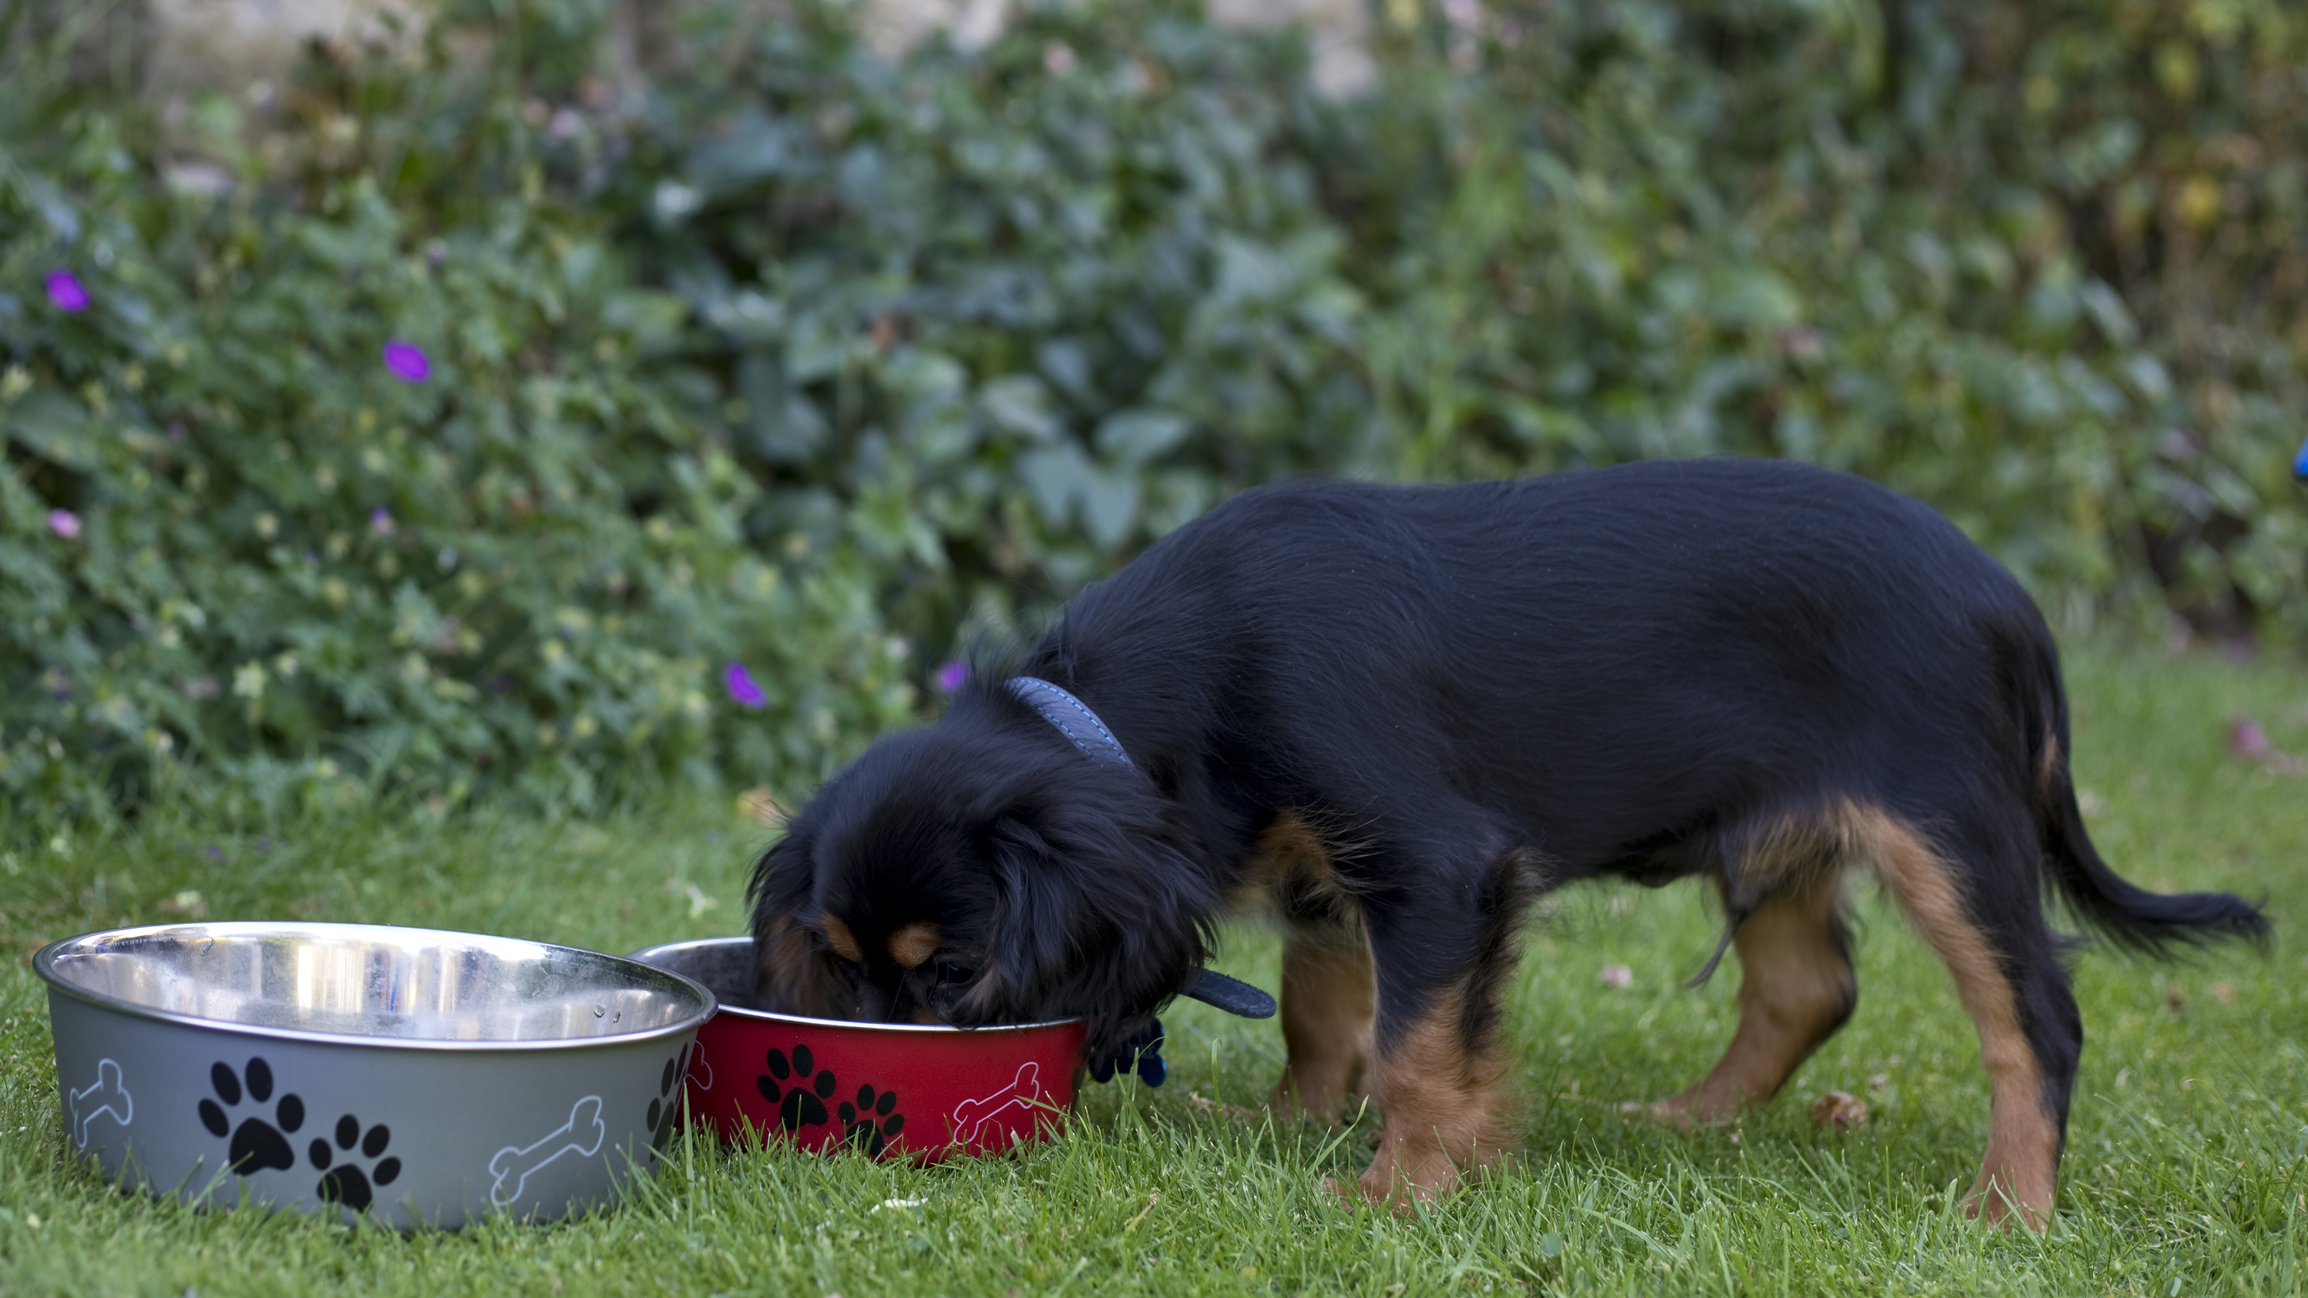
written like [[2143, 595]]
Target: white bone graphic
[[971, 1116], [518, 1164], [697, 1061], [107, 1094]]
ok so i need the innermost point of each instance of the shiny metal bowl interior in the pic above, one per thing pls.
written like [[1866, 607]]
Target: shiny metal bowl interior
[[369, 982], [726, 967]]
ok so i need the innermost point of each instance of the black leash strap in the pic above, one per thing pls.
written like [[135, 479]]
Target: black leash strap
[[1229, 994]]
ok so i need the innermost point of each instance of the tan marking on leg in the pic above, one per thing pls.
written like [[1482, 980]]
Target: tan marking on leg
[[1795, 989], [1329, 996], [2019, 1175], [1789, 853], [1329, 1000], [1444, 1105], [838, 936], [914, 943], [1289, 850]]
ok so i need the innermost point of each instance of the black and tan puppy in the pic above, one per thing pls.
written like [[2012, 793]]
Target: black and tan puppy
[[1395, 715]]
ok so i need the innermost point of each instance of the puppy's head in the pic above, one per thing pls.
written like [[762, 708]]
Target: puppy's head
[[983, 871]]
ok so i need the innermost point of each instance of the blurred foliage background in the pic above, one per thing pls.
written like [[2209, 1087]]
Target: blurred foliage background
[[759, 386]]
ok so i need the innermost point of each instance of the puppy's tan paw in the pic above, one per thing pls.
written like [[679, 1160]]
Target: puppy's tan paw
[[1993, 1204], [1402, 1201], [1681, 1114]]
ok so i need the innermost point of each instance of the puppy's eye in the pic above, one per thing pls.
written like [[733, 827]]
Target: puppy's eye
[[955, 972]]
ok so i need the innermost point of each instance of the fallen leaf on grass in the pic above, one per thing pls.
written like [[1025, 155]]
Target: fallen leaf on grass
[[2173, 999], [1618, 976], [1208, 1105], [2224, 992], [2247, 740], [1839, 1109]]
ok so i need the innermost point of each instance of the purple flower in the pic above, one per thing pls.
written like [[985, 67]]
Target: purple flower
[[65, 290], [741, 686], [64, 523], [381, 521], [951, 676], [407, 361]]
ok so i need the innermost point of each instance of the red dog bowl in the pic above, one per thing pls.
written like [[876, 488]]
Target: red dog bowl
[[890, 1089]]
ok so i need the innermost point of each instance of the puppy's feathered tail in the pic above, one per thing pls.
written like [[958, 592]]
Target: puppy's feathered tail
[[2130, 916]]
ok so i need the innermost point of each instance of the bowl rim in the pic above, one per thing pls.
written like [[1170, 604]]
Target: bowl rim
[[44, 962], [772, 1016]]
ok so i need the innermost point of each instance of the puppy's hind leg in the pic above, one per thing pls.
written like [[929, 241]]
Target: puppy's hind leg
[[1796, 987], [1976, 903], [1329, 1006]]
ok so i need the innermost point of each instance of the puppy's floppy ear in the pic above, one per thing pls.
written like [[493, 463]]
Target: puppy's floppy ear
[[1102, 904], [797, 974]]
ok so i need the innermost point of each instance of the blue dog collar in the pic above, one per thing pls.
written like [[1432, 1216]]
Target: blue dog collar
[[1071, 716], [2300, 465]]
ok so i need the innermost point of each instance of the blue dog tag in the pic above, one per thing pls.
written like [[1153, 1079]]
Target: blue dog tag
[[1141, 1054]]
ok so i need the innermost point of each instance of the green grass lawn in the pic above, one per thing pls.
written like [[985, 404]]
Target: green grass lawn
[[2184, 1172]]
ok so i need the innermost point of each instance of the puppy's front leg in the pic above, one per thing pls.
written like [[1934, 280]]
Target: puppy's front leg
[[1436, 1073], [1442, 1100], [1328, 1005]]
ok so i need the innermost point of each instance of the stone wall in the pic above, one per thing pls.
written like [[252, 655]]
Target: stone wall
[[186, 45], [232, 44], [1337, 28]]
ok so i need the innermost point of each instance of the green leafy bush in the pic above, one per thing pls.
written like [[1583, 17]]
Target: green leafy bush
[[2037, 264], [1006, 317], [242, 557], [795, 358]]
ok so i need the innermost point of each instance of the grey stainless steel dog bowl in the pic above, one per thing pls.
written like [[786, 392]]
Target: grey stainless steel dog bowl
[[423, 1077]]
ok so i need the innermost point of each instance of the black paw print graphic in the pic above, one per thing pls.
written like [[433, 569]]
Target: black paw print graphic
[[870, 1124], [256, 1144], [346, 1183], [802, 1103], [665, 1110]]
